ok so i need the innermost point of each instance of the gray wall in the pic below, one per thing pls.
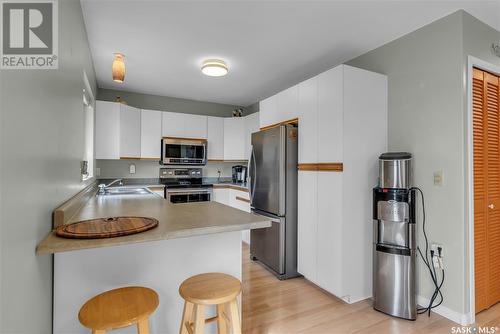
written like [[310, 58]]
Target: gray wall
[[477, 39], [164, 103], [150, 169], [427, 109], [41, 143]]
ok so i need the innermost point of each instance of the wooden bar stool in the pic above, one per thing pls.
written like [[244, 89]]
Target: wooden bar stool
[[210, 289], [119, 308]]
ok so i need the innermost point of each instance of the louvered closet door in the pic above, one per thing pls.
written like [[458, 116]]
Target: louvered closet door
[[486, 125]]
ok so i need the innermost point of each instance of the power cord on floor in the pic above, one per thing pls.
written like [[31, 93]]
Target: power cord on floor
[[429, 264]]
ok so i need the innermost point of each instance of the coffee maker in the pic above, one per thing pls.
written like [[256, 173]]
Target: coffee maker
[[239, 174]]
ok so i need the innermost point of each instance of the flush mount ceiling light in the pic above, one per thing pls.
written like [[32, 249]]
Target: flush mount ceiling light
[[118, 68], [214, 68]]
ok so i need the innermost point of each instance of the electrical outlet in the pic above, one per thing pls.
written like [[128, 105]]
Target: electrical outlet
[[435, 247], [132, 169], [435, 261]]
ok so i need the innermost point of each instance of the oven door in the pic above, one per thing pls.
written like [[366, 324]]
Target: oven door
[[184, 152], [186, 195]]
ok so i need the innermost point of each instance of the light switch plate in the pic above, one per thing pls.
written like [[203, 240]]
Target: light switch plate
[[438, 178], [132, 169]]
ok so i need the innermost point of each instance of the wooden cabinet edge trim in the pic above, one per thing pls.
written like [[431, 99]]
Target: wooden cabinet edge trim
[[186, 138], [135, 158], [221, 160], [242, 199], [293, 121], [230, 186], [322, 167]]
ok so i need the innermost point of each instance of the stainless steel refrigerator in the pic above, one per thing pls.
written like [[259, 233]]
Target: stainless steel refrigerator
[[273, 193]]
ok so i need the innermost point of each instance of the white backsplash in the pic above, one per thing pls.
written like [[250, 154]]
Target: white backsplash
[[150, 169]]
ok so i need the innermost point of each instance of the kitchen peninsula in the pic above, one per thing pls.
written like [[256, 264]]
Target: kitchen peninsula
[[190, 239]]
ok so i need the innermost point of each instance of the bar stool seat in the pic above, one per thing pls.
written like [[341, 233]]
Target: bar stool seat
[[119, 308], [216, 289]]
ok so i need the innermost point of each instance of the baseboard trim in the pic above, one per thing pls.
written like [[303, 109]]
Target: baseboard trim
[[463, 319]]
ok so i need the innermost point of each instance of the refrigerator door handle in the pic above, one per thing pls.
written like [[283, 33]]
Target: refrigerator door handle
[[253, 179]]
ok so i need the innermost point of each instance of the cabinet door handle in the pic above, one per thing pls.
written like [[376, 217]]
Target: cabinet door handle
[[491, 206]]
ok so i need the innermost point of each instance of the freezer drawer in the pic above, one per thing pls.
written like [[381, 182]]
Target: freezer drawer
[[268, 245], [394, 281]]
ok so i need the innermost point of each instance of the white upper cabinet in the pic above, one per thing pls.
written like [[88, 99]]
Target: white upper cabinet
[[308, 121], [268, 112], [130, 132], [107, 130], [172, 124], [184, 125], [287, 104], [215, 137], [281, 107], [330, 115], [195, 126], [251, 126], [234, 138], [150, 134]]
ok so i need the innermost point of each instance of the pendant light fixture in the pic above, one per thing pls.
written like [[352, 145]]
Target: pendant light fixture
[[214, 67], [118, 68]]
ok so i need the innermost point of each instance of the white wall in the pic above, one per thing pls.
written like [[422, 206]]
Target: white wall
[[427, 108], [41, 145]]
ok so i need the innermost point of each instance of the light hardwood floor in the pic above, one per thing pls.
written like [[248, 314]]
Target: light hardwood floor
[[298, 306]]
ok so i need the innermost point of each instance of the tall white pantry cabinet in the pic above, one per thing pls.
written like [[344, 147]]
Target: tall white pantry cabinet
[[342, 121]]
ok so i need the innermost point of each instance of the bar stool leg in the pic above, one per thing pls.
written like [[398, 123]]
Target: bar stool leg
[[235, 317], [199, 319], [187, 315], [143, 326], [221, 320]]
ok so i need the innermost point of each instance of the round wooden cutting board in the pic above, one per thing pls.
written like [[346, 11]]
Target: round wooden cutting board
[[106, 227]]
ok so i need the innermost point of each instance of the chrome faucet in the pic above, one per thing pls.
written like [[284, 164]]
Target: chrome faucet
[[103, 187]]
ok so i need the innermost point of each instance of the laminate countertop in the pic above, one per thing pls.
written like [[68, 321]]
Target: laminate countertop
[[175, 221]]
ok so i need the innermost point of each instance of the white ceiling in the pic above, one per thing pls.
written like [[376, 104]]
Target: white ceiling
[[268, 45]]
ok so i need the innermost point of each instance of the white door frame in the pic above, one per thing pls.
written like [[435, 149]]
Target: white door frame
[[469, 182]]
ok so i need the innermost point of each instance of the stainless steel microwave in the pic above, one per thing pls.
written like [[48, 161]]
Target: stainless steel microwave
[[180, 151]]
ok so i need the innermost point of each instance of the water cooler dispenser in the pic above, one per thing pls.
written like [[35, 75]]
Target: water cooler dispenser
[[394, 238]]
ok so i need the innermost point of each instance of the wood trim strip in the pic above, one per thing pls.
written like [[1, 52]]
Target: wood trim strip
[[63, 213], [150, 159], [230, 186], [322, 167], [130, 158], [293, 121], [242, 199], [219, 160], [186, 138]]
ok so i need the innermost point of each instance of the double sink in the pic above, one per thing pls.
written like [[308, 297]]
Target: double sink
[[125, 191]]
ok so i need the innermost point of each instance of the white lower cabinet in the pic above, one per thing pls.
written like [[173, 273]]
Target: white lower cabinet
[[308, 224], [329, 238], [234, 198]]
